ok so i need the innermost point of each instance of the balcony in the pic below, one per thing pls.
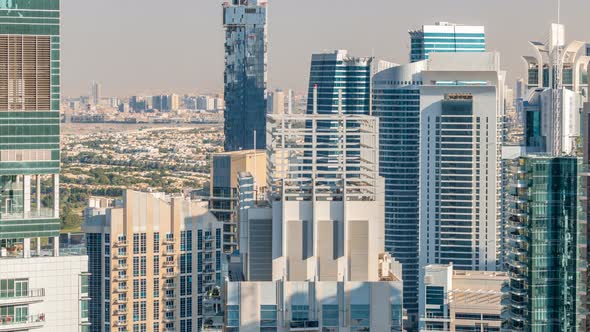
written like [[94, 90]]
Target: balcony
[[121, 289], [168, 319], [121, 301], [169, 286], [168, 241], [169, 263], [304, 326], [43, 213], [118, 312], [169, 308], [120, 243], [9, 323], [168, 275], [168, 252], [120, 323], [120, 255], [31, 296], [121, 267], [120, 278]]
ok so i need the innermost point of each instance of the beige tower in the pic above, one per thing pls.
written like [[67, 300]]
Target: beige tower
[[155, 261]]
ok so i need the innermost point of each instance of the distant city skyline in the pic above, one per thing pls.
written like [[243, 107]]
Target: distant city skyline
[[143, 47]]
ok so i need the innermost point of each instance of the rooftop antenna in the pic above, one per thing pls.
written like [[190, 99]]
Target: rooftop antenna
[[558, 11], [557, 85]]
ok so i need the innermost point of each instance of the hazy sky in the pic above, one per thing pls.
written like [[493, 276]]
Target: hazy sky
[[151, 46]]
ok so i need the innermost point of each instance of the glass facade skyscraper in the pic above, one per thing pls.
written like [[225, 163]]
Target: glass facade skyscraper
[[41, 286], [335, 72], [446, 37], [29, 119], [340, 83], [547, 237], [245, 74], [396, 101]]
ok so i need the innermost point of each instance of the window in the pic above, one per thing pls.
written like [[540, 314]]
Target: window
[[143, 243], [143, 266], [142, 311], [268, 316], [233, 316], [136, 289], [156, 243], [136, 244], [359, 317], [330, 317], [396, 317], [83, 309], [156, 264], [14, 288], [135, 312], [156, 287], [136, 266], [156, 310], [143, 288], [84, 284], [299, 312]]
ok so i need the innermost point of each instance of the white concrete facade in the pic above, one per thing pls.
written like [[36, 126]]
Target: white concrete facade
[[460, 159], [54, 295], [327, 306]]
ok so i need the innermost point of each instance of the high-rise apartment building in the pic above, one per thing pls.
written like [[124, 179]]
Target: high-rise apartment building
[[547, 246], [396, 98], [462, 107], [329, 272], [245, 74], [225, 168], [156, 264], [453, 300], [42, 286], [446, 37]]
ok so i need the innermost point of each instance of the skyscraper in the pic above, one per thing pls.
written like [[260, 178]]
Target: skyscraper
[[40, 287], [396, 101], [446, 37], [547, 238], [245, 74], [155, 260], [556, 88], [462, 105], [335, 72], [96, 92]]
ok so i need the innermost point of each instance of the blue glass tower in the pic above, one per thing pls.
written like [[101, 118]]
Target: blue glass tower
[[339, 82], [446, 37], [245, 74], [396, 101], [335, 72]]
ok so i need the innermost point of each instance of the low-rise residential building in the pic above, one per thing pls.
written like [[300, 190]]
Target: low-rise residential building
[[456, 300]]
